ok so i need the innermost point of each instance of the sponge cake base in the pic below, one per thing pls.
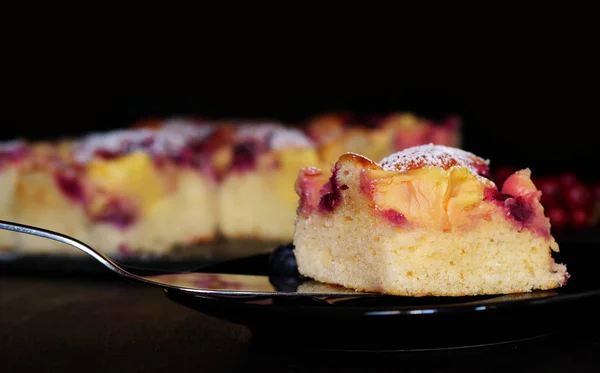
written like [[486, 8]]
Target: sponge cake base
[[355, 250]]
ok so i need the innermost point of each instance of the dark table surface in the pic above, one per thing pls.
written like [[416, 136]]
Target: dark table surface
[[105, 324]]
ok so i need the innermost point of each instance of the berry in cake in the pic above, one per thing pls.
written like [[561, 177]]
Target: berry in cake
[[256, 196], [425, 221]]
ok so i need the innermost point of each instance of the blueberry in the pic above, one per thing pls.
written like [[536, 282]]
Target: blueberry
[[282, 261], [244, 156], [285, 283]]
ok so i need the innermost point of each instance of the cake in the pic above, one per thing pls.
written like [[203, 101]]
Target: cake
[[148, 190], [124, 192], [425, 221], [256, 195]]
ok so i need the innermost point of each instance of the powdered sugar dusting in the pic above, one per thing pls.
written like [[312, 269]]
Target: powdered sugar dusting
[[287, 137], [10, 146], [434, 156], [274, 135], [187, 128], [12, 151], [170, 138], [175, 134], [256, 131], [113, 142]]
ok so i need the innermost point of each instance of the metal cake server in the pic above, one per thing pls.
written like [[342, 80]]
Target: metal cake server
[[201, 284]]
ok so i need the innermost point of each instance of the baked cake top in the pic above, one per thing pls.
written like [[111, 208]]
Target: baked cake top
[[275, 136], [170, 138], [12, 151], [11, 146], [435, 156]]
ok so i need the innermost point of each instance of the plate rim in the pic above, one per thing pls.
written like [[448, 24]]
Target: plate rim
[[375, 310]]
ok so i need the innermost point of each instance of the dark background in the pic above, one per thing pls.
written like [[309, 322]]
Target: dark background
[[526, 100]]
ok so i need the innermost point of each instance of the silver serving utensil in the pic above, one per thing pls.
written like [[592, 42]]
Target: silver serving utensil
[[201, 284]]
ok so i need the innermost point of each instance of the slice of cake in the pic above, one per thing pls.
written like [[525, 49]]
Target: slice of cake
[[256, 197], [12, 155], [149, 189], [424, 221]]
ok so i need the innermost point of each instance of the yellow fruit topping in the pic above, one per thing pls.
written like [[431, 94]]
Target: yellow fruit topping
[[373, 144], [430, 196], [133, 176]]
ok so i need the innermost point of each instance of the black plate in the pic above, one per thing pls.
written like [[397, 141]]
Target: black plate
[[406, 323]]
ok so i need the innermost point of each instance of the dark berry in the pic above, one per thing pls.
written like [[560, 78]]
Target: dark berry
[[107, 154], [580, 218], [549, 186], [332, 197], [244, 156], [568, 179], [329, 201], [502, 197], [117, 212], [147, 143], [493, 194], [70, 185], [282, 261], [13, 153], [558, 218], [519, 209], [551, 192], [483, 170], [285, 283], [577, 195]]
